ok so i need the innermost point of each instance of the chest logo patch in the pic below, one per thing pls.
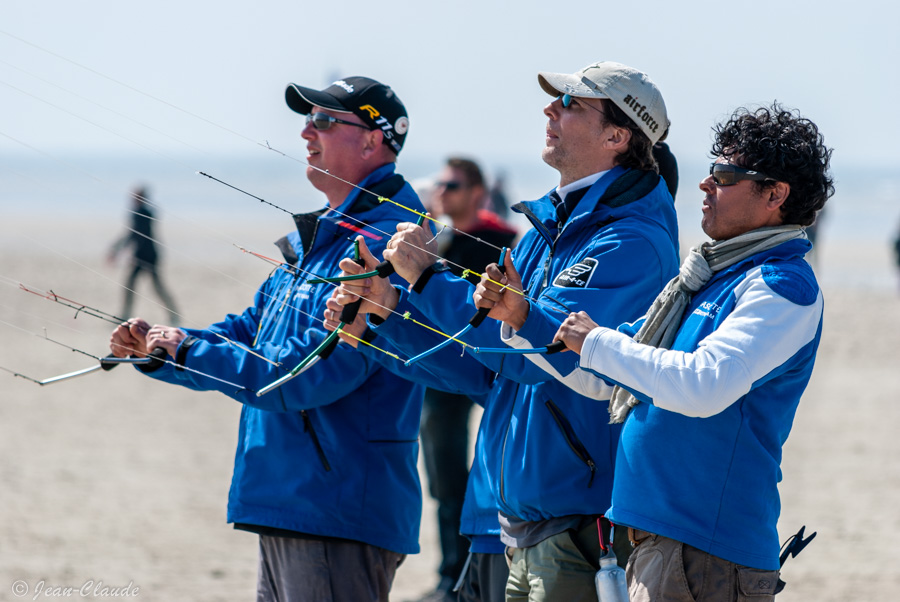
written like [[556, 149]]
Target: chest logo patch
[[577, 275], [707, 309]]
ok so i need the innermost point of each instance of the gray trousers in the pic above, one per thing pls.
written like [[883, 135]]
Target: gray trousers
[[664, 570], [326, 570]]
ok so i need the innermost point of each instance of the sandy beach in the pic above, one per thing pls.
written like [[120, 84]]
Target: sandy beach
[[116, 481]]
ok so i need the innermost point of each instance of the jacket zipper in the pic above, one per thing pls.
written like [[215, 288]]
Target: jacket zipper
[[547, 270], [572, 439], [308, 428], [549, 259]]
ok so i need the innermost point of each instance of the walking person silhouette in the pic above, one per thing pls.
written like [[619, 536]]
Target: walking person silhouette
[[144, 258]]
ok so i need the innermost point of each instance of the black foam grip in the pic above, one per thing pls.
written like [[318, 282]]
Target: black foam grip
[[157, 358], [333, 345], [482, 312], [479, 316], [108, 365], [384, 269], [349, 312], [555, 347]]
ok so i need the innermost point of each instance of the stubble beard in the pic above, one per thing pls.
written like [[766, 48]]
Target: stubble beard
[[553, 156]]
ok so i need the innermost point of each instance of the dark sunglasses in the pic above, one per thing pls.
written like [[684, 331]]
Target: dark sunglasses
[[566, 100], [449, 185], [321, 121], [725, 174]]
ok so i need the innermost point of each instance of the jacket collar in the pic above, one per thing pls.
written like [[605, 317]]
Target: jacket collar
[[607, 199], [314, 226]]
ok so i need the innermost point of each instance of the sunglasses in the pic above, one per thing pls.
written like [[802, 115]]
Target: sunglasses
[[725, 174], [321, 121], [449, 185], [566, 100]]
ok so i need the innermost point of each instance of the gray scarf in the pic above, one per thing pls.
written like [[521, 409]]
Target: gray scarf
[[664, 317]]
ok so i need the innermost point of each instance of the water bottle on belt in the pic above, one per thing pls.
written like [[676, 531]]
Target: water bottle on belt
[[610, 579]]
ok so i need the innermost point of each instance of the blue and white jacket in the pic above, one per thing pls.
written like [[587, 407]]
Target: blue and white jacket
[[699, 461], [332, 452], [548, 452]]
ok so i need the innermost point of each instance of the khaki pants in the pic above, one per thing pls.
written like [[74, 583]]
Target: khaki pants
[[557, 569], [664, 570]]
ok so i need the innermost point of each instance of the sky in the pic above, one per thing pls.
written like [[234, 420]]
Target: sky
[[178, 80]]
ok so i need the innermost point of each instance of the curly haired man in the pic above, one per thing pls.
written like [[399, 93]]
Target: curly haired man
[[708, 382]]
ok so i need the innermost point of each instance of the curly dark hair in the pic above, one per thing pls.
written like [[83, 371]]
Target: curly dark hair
[[786, 147], [640, 150]]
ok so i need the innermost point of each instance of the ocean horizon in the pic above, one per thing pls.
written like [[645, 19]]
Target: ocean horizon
[[854, 245]]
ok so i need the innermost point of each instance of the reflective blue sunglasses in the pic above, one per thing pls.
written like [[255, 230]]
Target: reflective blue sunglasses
[[566, 100]]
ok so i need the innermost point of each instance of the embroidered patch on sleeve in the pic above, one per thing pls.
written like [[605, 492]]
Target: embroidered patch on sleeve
[[577, 275]]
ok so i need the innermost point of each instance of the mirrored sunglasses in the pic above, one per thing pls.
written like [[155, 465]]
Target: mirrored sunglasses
[[566, 100], [321, 121], [725, 174]]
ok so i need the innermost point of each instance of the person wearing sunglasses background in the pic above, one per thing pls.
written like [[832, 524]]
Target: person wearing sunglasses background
[[460, 197], [325, 469], [605, 239], [710, 379]]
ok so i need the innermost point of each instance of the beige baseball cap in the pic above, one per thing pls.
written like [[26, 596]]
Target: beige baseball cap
[[630, 90]]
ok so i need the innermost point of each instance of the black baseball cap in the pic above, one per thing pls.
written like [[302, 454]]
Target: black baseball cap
[[373, 102]]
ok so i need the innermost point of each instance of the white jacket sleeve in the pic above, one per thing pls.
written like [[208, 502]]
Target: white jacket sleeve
[[580, 381], [763, 331]]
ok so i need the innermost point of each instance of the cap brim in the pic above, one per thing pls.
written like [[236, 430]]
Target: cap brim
[[302, 100], [555, 84]]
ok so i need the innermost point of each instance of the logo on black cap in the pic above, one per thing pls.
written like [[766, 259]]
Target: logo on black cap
[[374, 103]]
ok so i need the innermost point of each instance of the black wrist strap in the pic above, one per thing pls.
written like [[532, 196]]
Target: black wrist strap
[[181, 352], [430, 271], [368, 334]]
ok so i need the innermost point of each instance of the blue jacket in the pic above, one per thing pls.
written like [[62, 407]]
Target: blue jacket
[[548, 452], [479, 515], [699, 461], [332, 452]]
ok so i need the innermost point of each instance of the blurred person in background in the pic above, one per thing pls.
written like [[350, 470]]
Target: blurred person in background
[[897, 251], [142, 253], [497, 199], [460, 195]]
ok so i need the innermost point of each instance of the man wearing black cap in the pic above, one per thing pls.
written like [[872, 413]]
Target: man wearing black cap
[[325, 469]]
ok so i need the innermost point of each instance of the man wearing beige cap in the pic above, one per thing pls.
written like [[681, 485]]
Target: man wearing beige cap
[[603, 240]]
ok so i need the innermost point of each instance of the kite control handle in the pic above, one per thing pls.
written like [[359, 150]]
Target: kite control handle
[[555, 347], [351, 310], [482, 312], [385, 269], [155, 359]]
